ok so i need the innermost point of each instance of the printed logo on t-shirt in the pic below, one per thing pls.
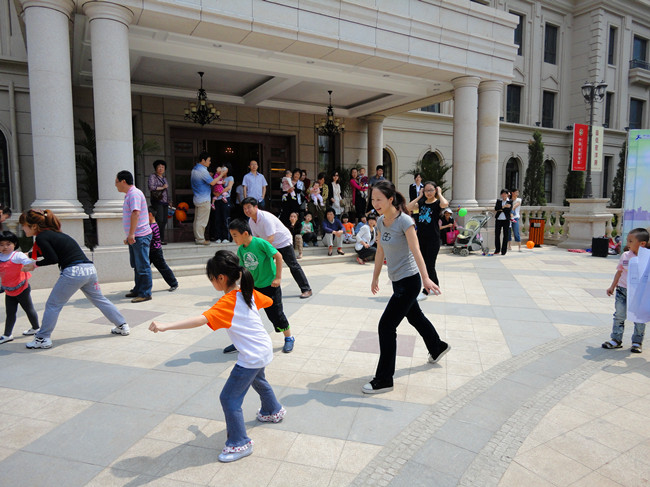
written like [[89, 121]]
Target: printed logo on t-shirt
[[425, 214], [385, 236], [250, 261]]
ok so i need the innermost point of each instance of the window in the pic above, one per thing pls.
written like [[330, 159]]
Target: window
[[611, 48], [519, 33], [5, 195], [548, 181], [435, 108], [513, 103], [608, 109], [387, 162], [548, 109], [636, 113], [550, 44], [512, 173], [639, 53], [607, 169], [430, 159], [325, 154]]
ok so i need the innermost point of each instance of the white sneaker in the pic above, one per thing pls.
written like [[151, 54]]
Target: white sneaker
[[30, 332], [217, 241], [123, 329], [422, 297], [40, 343], [5, 339]]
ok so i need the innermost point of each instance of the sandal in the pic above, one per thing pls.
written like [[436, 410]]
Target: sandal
[[611, 344], [340, 252], [636, 348], [329, 252], [361, 261]]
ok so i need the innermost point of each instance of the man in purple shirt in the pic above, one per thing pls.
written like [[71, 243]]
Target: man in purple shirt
[[135, 219]]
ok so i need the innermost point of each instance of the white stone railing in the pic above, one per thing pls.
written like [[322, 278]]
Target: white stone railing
[[556, 228]]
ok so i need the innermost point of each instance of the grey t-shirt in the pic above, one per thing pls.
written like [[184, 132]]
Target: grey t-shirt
[[399, 259]]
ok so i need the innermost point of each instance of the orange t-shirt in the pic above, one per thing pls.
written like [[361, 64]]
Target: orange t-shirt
[[349, 228]]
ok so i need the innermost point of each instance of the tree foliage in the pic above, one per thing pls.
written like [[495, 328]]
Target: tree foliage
[[574, 186], [534, 182], [431, 171], [617, 185]]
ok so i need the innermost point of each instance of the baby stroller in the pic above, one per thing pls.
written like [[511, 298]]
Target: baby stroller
[[469, 237]]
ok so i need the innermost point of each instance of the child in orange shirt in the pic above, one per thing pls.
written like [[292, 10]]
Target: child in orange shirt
[[348, 236], [238, 312]]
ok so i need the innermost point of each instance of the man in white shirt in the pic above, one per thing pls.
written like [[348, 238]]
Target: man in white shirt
[[267, 226], [255, 185]]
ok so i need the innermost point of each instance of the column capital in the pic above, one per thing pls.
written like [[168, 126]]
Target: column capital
[[109, 11], [465, 82], [490, 85], [375, 118], [64, 6]]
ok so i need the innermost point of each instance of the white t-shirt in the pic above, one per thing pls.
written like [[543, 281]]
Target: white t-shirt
[[516, 211], [16, 257], [268, 224]]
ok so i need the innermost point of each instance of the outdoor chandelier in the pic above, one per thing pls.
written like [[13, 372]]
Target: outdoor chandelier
[[330, 125], [201, 111]]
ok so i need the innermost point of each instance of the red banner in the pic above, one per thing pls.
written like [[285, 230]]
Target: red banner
[[580, 141]]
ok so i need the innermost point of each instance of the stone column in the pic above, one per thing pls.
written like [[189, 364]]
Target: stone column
[[47, 25], [487, 164], [375, 142], [464, 143], [109, 30]]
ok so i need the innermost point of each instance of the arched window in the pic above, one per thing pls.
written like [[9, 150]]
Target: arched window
[[387, 162], [5, 196], [548, 181], [512, 173], [430, 159]]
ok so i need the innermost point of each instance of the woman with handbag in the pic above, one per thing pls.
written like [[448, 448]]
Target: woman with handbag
[[429, 202], [159, 196], [448, 229]]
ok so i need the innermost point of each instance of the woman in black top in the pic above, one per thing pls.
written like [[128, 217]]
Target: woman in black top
[[429, 202], [446, 226], [77, 272]]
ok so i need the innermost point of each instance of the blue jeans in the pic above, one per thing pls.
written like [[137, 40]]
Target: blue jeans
[[620, 313], [515, 230], [139, 258], [73, 278], [232, 397]]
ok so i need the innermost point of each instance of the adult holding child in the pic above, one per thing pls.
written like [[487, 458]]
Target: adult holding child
[[358, 201], [398, 244], [77, 272], [429, 202], [202, 183], [159, 195]]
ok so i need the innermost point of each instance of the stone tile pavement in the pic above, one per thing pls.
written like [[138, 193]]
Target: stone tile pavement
[[525, 397]]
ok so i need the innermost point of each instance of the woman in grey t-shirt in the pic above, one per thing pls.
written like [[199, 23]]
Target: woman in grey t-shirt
[[398, 243]]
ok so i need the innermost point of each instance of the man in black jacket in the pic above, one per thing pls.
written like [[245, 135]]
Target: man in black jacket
[[502, 217]]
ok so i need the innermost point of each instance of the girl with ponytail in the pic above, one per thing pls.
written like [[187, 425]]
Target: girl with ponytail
[[398, 243], [237, 311]]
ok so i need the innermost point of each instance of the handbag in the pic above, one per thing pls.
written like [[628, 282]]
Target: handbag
[[451, 236]]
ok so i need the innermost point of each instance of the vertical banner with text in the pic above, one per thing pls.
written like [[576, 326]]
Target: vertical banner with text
[[636, 198], [580, 140], [597, 134]]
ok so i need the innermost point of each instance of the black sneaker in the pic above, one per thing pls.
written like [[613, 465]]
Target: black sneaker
[[230, 349], [173, 288], [376, 387], [131, 294], [434, 359]]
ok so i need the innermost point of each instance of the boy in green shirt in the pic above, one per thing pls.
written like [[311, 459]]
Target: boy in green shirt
[[265, 264]]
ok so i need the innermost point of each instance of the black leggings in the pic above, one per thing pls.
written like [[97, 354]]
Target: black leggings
[[403, 304], [24, 299], [429, 248]]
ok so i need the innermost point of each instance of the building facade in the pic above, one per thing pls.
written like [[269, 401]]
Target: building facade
[[490, 73]]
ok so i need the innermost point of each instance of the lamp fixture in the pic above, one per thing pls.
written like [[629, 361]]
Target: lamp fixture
[[330, 125], [592, 91], [201, 111]]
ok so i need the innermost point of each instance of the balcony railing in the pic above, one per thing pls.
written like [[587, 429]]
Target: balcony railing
[[556, 228], [639, 63]]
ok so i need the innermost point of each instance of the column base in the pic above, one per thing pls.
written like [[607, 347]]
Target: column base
[[471, 203], [586, 219], [69, 212], [110, 230], [488, 204]]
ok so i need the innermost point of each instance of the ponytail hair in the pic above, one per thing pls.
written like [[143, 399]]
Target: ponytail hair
[[43, 219], [226, 263], [388, 190]]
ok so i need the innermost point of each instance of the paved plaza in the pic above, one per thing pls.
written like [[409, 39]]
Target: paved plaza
[[525, 397]]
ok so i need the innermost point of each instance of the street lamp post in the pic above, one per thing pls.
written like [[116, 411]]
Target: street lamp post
[[592, 92]]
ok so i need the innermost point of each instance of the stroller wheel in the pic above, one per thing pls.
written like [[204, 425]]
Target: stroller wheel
[[455, 250], [464, 252]]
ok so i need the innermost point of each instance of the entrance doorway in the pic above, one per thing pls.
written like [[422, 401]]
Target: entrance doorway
[[274, 155]]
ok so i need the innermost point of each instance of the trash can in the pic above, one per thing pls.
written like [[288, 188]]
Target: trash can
[[599, 247], [536, 231]]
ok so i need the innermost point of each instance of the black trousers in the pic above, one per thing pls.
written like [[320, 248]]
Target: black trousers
[[429, 248], [24, 299], [158, 260], [403, 304], [160, 213], [501, 244], [219, 221], [289, 258], [275, 313], [310, 237], [367, 254]]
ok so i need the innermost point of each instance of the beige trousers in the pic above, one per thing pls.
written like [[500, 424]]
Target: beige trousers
[[201, 218]]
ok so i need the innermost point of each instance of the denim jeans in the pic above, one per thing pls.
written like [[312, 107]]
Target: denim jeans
[[139, 257], [232, 397], [403, 303], [73, 278], [515, 230], [620, 313], [289, 258]]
